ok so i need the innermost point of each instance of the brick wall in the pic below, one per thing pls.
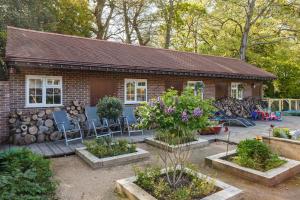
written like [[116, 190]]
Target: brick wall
[[76, 84], [4, 110]]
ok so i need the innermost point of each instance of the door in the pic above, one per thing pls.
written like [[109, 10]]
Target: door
[[177, 85], [221, 90], [100, 88]]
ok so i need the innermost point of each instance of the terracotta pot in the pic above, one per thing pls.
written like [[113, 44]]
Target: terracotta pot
[[211, 130]]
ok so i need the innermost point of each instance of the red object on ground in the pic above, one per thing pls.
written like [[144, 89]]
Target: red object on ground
[[211, 130]]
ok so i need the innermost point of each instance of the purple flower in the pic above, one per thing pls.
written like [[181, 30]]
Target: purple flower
[[197, 112], [169, 110], [184, 116]]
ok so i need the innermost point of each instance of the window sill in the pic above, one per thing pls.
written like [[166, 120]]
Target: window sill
[[134, 103], [43, 106]]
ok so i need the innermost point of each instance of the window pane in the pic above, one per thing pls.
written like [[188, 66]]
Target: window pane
[[35, 83], [35, 99], [141, 94], [192, 85], [130, 91], [51, 82], [141, 83], [49, 91], [53, 96], [57, 99], [49, 99], [35, 91]]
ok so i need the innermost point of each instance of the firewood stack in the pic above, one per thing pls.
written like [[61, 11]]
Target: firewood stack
[[39, 126], [238, 108]]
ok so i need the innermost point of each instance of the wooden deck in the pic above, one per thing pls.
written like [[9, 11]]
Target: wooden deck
[[59, 148]]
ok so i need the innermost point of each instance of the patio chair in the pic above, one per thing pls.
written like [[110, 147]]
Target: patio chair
[[94, 123], [130, 121], [278, 115], [254, 115], [114, 125], [65, 126]]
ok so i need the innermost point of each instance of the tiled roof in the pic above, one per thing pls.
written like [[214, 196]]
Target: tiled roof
[[41, 47]]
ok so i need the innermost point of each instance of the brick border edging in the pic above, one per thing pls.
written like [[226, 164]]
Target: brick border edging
[[282, 140], [132, 191], [199, 143], [268, 178], [96, 162]]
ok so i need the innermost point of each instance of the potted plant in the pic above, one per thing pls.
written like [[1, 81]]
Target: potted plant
[[110, 108], [214, 127]]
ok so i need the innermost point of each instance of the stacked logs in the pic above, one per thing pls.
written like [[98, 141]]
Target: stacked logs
[[238, 108], [39, 126]]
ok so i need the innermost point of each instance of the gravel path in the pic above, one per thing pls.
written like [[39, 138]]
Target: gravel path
[[79, 182]]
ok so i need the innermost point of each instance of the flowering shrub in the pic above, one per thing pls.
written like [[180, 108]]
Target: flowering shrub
[[175, 116]]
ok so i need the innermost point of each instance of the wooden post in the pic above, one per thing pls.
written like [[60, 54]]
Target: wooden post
[[290, 104]]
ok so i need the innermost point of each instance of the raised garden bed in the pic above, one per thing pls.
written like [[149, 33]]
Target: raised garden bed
[[270, 178], [132, 191], [199, 143], [96, 162], [285, 147]]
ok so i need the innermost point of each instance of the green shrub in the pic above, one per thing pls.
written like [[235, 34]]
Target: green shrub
[[282, 133], [191, 186], [176, 116], [255, 154], [110, 107], [25, 175], [105, 147]]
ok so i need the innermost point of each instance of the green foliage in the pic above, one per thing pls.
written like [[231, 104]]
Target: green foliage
[[105, 147], [191, 186], [25, 176], [110, 107], [282, 133], [74, 18], [255, 154], [176, 116]]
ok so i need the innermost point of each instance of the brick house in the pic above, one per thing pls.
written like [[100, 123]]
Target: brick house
[[50, 70]]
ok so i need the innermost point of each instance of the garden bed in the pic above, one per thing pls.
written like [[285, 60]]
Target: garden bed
[[132, 191], [199, 143], [270, 178], [285, 147], [96, 162]]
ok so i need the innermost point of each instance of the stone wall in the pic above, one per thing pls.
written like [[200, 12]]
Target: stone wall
[[284, 147], [4, 110]]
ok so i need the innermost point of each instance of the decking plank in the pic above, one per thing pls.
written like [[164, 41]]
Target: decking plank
[[35, 148], [45, 150], [57, 151], [62, 146]]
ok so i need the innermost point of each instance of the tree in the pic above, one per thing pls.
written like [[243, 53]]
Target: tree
[[74, 18], [103, 12], [38, 15], [187, 26], [168, 15], [138, 20]]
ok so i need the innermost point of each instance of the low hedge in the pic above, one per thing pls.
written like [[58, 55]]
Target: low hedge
[[105, 147], [25, 176]]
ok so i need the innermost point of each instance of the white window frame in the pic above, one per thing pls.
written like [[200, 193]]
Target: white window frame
[[239, 93], [194, 82], [44, 87], [135, 92]]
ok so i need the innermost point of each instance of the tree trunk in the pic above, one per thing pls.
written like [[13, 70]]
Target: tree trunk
[[126, 22], [169, 20]]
